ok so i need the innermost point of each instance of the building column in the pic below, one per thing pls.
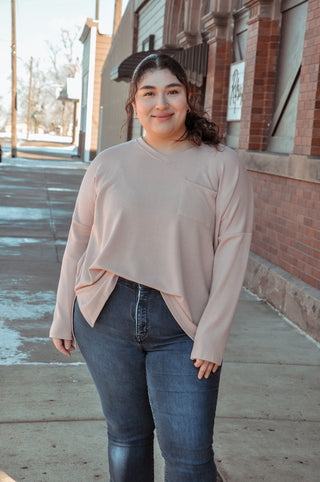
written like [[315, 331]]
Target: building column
[[260, 72], [190, 35], [307, 135], [219, 59]]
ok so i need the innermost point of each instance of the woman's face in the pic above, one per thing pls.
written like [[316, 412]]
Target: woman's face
[[161, 105]]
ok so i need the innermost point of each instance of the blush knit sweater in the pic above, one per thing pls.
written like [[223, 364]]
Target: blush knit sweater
[[180, 223]]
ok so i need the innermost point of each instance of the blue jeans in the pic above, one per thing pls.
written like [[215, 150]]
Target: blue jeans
[[139, 359]]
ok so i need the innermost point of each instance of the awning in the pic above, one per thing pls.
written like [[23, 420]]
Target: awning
[[193, 59]]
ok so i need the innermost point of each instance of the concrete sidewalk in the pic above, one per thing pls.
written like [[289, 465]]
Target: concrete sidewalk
[[52, 428]]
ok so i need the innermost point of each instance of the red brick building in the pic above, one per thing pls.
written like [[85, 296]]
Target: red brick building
[[262, 87]]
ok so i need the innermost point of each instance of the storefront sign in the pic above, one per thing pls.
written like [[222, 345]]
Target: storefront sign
[[235, 91]]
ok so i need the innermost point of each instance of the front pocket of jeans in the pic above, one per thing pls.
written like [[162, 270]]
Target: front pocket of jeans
[[197, 202]]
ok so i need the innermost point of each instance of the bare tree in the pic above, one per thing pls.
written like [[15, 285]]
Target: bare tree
[[4, 114], [45, 109], [62, 55]]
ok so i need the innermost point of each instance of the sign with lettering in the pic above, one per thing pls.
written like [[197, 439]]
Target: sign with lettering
[[235, 91]]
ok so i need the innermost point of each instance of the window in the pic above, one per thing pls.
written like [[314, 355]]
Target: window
[[283, 124]]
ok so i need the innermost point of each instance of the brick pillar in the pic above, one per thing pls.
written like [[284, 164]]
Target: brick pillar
[[219, 59], [259, 79], [307, 136]]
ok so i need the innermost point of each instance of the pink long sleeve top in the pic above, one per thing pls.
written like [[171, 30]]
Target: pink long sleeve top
[[180, 223]]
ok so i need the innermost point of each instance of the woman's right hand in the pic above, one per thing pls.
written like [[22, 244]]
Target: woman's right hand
[[64, 346]]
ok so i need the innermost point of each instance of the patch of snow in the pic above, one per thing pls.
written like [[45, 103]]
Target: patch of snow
[[60, 189], [21, 306], [26, 306], [17, 242], [9, 347], [10, 213]]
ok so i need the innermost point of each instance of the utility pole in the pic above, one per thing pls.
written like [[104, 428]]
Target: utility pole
[[14, 83], [97, 10], [29, 98], [116, 15]]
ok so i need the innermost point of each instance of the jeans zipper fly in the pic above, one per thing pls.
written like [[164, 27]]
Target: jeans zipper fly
[[140, 316], [137, 304]]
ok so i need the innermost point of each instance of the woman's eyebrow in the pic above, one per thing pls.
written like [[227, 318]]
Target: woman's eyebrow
[[169, 86]]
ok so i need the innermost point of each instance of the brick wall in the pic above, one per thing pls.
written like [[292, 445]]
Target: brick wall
[[287, 225], [216, 100], [259, 82]]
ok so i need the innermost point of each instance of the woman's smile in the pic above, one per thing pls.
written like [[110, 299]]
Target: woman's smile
[[163, 117]]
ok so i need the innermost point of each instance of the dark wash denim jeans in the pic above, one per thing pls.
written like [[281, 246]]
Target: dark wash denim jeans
[[139, 359]]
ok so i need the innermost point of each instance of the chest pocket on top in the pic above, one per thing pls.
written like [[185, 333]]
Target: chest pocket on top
[[197, 202]]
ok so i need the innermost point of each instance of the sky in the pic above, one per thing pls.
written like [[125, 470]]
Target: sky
[[41, 20]]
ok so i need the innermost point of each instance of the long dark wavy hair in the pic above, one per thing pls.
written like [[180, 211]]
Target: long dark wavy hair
[[199, 129]]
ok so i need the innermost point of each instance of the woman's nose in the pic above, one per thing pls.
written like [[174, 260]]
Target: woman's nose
[[162, 101]]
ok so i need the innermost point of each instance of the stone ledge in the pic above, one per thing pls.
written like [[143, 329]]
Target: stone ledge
[[292, 166], [294, 298]]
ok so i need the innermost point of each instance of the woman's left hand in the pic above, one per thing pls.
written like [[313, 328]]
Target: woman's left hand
[[205, 368]]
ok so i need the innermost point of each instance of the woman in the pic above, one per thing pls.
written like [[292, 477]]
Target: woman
[[151, 277]]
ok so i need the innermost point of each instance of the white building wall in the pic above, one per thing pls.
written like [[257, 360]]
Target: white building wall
[[86, 55], [151, 21], [91, 73], [85, 71], [88, 72]]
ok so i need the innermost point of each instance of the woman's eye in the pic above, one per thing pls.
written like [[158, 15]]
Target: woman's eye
[[173, 92], [148, 94]]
